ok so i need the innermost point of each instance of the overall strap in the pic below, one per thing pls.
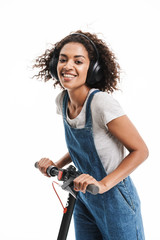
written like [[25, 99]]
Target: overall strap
[[88, 109], [65, 101]]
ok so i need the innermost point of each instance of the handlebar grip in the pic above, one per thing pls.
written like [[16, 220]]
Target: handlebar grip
[[93, 189], [36, 165], [51, 170]]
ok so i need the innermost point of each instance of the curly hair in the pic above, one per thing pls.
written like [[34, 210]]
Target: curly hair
[[107, 61]]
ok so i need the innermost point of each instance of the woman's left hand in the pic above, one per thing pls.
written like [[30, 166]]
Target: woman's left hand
[[82, 181]]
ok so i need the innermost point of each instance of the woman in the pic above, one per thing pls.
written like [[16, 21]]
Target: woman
[[97, 132]]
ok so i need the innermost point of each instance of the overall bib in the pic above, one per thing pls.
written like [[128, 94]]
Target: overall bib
[[114, 215]]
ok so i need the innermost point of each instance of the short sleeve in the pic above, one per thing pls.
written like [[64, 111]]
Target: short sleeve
[[59, 102], [107, 107]]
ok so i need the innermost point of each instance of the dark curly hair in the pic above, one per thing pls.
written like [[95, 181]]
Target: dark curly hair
[[107, 61]]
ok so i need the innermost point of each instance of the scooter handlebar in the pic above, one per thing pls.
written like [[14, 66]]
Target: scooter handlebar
[[52, 171]]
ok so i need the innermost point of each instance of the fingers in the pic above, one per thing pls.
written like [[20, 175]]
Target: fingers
[[43, 164], [81, 182]]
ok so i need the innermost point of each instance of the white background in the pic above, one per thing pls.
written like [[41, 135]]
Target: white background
[[30, 128]]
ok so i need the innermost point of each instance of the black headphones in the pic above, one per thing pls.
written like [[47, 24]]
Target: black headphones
[[94, 74]]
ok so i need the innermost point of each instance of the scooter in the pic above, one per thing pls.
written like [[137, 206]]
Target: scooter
[[67, 176]]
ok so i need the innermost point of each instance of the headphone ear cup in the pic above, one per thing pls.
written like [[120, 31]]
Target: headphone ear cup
[[98, 73], [94, 73], [53, 67]]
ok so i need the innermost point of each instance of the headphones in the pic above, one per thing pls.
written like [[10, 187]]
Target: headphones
[[94, 74]]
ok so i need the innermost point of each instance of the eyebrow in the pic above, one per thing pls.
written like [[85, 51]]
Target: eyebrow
[[76, 56]]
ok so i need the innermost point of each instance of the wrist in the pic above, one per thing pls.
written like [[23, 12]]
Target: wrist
[[103, 187]]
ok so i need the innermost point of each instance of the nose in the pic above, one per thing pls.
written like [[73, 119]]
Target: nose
[[68, 65]]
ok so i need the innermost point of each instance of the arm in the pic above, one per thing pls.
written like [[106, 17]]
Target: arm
[[66, 159], [126, 133], [124, 130]]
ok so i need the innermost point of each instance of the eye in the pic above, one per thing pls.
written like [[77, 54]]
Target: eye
[[78, 62], [62, 60]]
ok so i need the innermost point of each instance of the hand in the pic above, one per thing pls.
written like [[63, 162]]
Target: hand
[[82, 181], [43, 164]]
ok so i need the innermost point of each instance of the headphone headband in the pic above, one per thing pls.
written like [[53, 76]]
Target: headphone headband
[[93, 44]]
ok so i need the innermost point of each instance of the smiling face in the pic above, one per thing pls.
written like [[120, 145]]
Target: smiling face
[[73, 64]]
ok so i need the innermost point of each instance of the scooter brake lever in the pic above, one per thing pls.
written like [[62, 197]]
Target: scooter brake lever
[[66, 186]]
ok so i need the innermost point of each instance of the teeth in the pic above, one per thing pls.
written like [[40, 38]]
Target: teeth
[[68, 75]]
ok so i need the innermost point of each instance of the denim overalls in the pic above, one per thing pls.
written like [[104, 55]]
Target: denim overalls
[[114, 215]]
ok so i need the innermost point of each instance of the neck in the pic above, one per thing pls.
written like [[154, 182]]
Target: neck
[[78, 96]]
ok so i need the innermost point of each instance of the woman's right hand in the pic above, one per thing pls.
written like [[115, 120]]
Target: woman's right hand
[[43, 164]]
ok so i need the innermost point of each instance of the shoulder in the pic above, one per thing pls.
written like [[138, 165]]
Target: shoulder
[[59, 101], [106, 106], [104, 100]]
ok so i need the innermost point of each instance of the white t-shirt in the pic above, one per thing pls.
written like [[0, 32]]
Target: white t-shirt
[[104, 108]]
